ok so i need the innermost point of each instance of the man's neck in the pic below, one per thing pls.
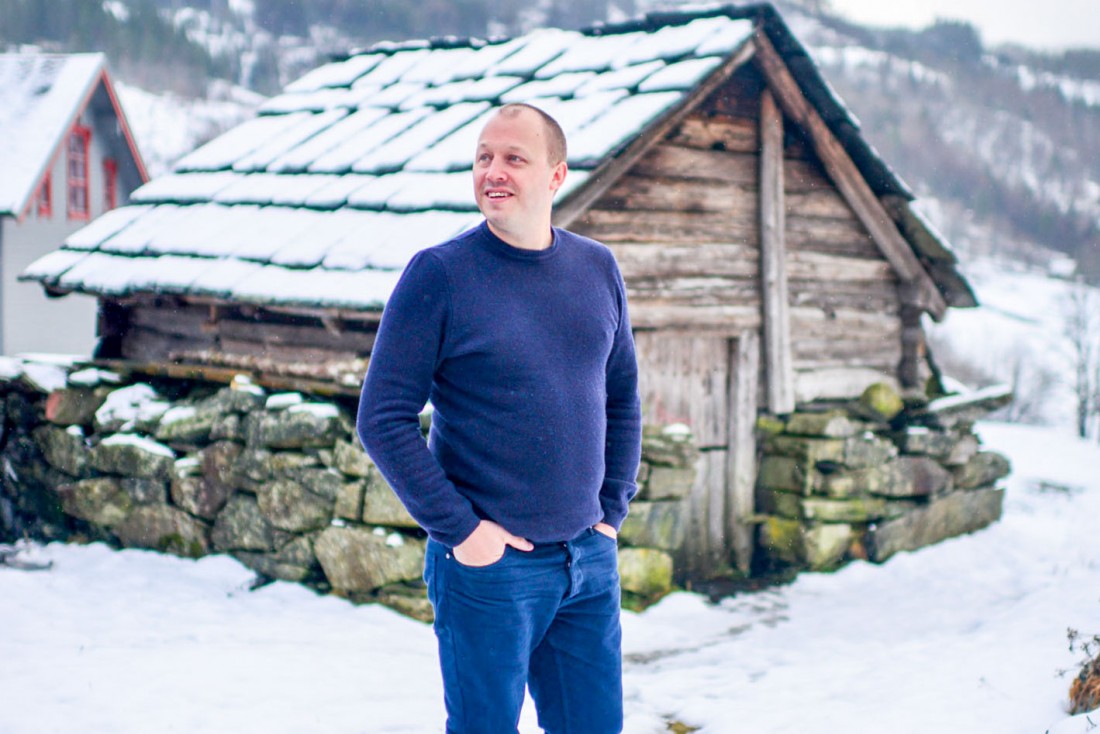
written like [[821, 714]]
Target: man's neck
[[539, 238]]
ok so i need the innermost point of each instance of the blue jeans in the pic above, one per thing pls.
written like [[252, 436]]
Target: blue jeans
[[548, 618]]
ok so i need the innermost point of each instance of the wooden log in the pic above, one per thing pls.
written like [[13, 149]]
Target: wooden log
[[725, 318], [809, 295], [741, 464], [701, 293], [641, 260], [691, 164], [773, 260], [717, 133], [278, 353], [830, 267], [805, 174], [297, 335], [146, 345], [819, 203], [184, 321], [847, 177], [676, 194], [665, 227]]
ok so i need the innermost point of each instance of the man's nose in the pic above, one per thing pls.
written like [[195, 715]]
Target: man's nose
[[495, 172]]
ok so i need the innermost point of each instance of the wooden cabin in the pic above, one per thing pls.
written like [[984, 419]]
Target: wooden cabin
[[66, 157], [771, 258]]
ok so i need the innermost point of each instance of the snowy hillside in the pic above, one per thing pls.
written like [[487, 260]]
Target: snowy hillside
[[168, 126]]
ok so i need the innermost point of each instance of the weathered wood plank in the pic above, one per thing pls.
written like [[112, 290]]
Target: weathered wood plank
[[685, 379], [145, 345], [773, 260], [829, 267], [279, 353], [819, 203], [676, 161], [726, 318], [294, 335], [846, 176], [838, 383], [665, 227], [805, 175], [716, 133], [741, 463], [640, 260], [648, 193]]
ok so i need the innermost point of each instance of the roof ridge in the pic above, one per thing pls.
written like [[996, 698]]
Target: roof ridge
[[649, 22]]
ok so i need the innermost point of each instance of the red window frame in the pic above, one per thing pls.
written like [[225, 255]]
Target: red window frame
[[43, 202], [110, 184], [79, 203]]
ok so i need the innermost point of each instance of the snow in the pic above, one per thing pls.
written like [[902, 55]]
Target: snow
[[627, 77], [283, 400], [225, 150], [102, 227], [44, 377], [399, 149], [967, 636], [591, 53], [1017, 339], [675, 41], [298, 158], [130, 405], [93, 377], [317, 410], [168, 127], [179, 188], [564, 85], [285, 141], [340, 74], [682, 75], [617, 125], [145, 444], [341, 158], [542, 46]]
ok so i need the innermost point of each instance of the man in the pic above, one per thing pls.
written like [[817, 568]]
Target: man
[[519, 335]]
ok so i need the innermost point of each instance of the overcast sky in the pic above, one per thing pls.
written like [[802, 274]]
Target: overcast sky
[[1041, 24]]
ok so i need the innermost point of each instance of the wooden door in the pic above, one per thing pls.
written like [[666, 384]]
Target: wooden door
[[708, 382]]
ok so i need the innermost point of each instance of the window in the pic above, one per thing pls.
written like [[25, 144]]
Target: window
[[110, 184], [78, 205], [43, 202]]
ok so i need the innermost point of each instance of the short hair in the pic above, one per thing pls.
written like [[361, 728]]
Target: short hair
[[555, 136]]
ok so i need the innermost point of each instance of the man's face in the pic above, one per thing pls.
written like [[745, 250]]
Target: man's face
[[514, 181]]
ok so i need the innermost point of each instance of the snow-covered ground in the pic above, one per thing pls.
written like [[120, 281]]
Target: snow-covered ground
[[966, 636]]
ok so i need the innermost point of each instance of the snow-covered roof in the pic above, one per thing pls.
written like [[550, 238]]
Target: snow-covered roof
[[321, 200], [40, 97]]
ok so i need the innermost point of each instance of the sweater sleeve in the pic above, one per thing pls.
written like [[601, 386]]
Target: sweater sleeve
[[622, 452], [409, 346]]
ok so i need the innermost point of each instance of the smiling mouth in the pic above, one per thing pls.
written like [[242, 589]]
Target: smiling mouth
[[498, 195]]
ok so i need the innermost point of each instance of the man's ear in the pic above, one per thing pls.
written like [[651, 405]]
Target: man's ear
[[557, 178]]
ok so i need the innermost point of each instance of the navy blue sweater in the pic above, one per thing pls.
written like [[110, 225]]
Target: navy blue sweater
[[528, 361]]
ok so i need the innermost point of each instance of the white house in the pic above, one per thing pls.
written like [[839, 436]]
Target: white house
[[66, 157]]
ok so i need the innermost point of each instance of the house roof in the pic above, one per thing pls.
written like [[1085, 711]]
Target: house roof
[[321, 199], [41, 96]]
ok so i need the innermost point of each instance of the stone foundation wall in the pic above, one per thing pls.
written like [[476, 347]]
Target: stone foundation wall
[[872, 478], [278, 481]]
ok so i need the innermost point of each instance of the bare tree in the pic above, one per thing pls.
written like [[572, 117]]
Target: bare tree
[[1082, 328]]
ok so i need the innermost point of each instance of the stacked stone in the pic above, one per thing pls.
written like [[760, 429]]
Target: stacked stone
[[653, 532], [278, 481], [863, 481]]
